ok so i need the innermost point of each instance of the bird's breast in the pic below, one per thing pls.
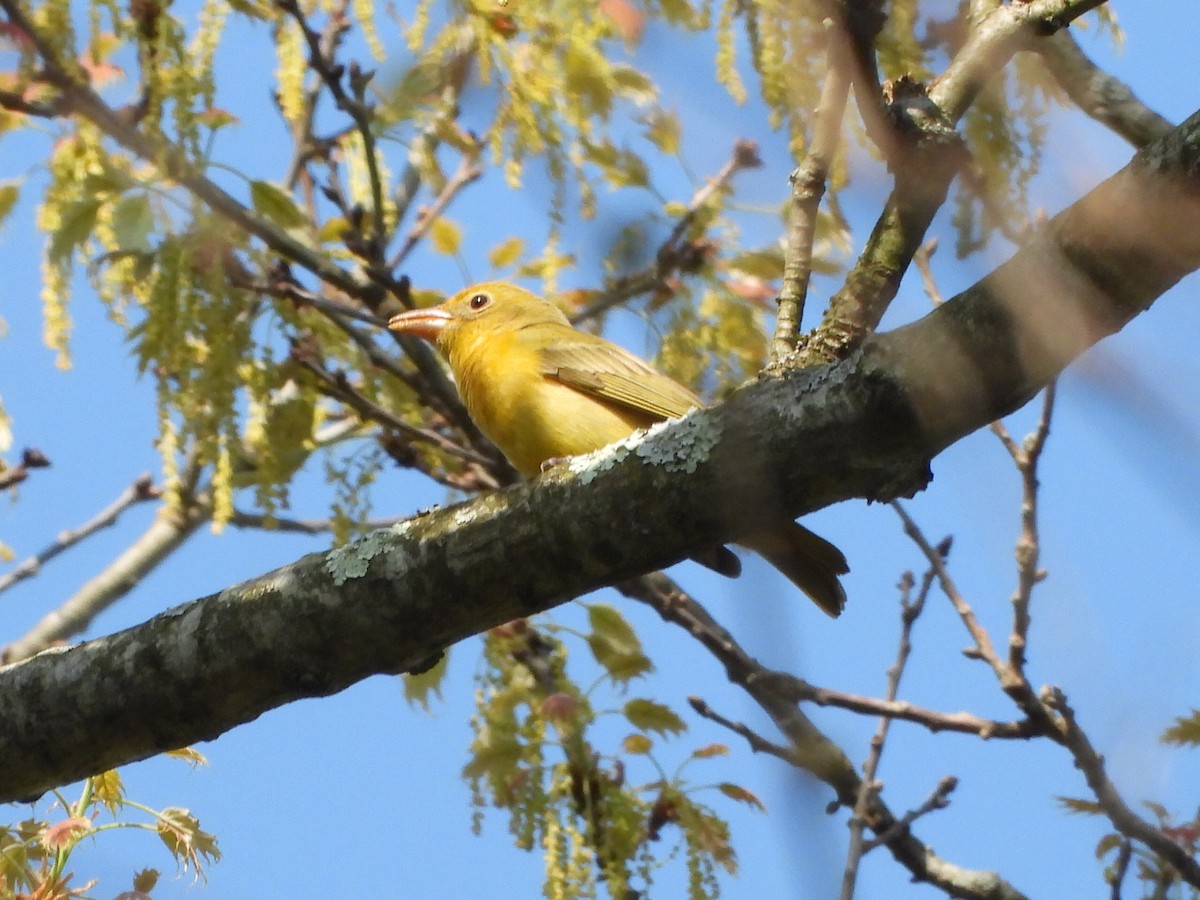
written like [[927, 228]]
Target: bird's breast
[[530, 416]]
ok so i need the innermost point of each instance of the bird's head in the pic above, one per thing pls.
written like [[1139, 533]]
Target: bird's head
[[493, 307]]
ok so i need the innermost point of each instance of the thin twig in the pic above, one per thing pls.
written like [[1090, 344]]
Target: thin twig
[[31, 458], [1028, 544], [1120, 867], [353, 103], [1126, 821], [1099, 94], [468, 171], [939, 799], [809, 748], [910, 610], [304, 142], [934, 720], [169, 530], [933, 156], [17, 103], [984, 648], [139, 491], [333, 309], [337, 385], [241, 519], [808, 187], [1051, 712], [678, 252], [754, 740]]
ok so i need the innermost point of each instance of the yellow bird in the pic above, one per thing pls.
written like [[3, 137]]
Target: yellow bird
[[543, 390]]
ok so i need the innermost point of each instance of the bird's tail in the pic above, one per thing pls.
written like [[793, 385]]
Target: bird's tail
[[808, 560]]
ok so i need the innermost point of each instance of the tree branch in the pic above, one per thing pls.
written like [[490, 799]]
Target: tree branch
[[869, 426], [931, 160], [1129, 823], [1102, 96], [31, 458], [808, 187], [141, 489], [166, 533], [870, 788], [808, 747]]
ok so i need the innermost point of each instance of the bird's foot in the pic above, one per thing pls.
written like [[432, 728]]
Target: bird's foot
[[553, 461]]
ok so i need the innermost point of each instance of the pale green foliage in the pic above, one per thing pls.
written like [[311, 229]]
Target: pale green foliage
[[35, 853], [1005, 130], [5, 431], [155, 261], [727, 70], [554, 86], [195, 337], [786, 49], [715, 345], [899, 48], [1185, 731], [539, 755], [1158, 877], [291, 69], [351, 476], [420, 688], [278, 434], [9, 192], [533, 54]]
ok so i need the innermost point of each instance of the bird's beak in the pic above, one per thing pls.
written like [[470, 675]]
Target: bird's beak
[[424, 323]]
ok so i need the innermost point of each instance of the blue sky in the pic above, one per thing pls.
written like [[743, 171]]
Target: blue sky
[[360, 795]]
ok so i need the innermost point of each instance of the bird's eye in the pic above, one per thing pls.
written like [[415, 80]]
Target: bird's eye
[[479, 301]]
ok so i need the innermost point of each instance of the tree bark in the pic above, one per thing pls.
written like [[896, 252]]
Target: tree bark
[[866, 427]]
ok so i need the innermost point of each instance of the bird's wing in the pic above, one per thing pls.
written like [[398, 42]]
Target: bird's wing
[[612, 373]]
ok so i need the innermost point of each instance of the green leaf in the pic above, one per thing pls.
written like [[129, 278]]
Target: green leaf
[[663, 130], [181, 832], [615, 645], [108, 789], [145, 880], [250, 9], [499, 758], [633, 84], [446, 236], [678, 12], [1083, 807], [275, 205], [766, 264], [651, 716], [1160, 811], [333, 230], [78, 220], [1186, 730], [189, 755], [416, 87], [637, 744], [506, 252], [132, 221], [1107, 844], [420, 687], [216, 118], [589, 78], [108, 180], [9, 192], [740, 794], [620, 168]]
